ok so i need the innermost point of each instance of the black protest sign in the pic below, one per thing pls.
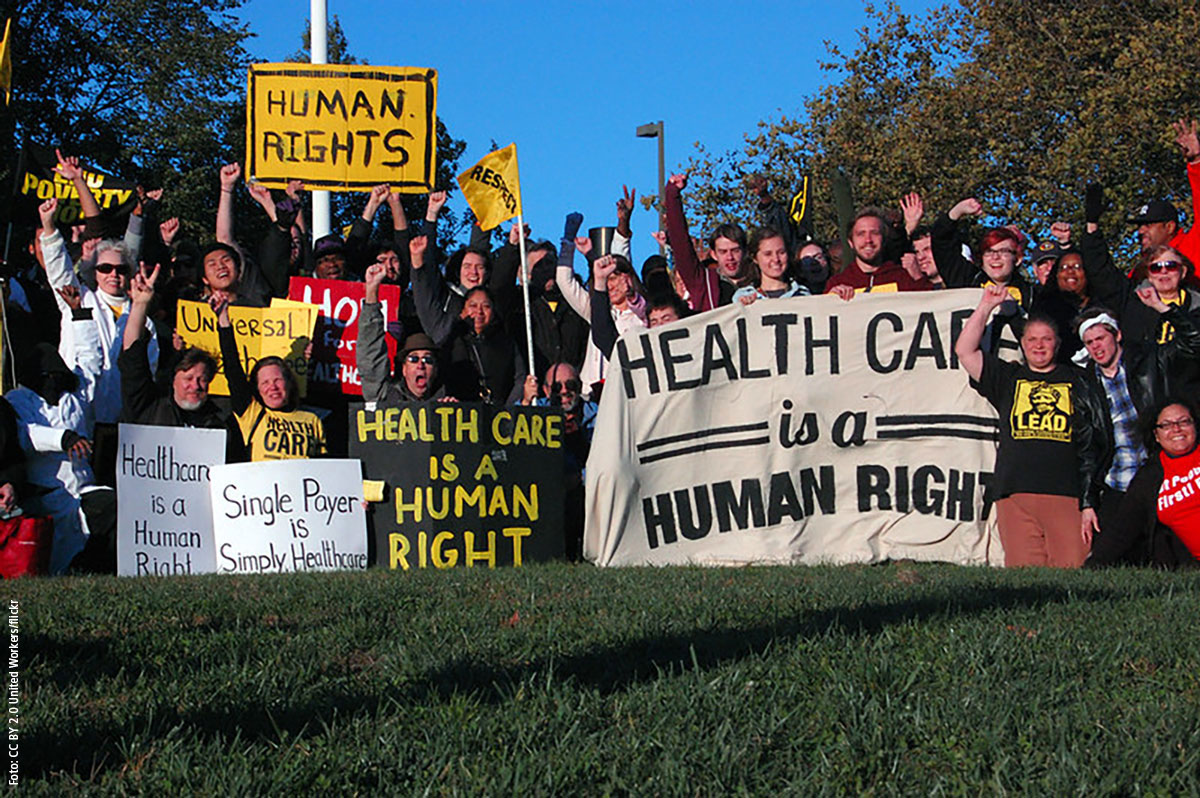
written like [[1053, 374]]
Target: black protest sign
[[463, 485], [38, 182]]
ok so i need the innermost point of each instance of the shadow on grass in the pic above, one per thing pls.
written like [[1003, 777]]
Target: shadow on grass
[[607, 669]]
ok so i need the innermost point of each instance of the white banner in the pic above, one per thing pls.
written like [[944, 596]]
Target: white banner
[[289, 515], [795, 431], [164, 526]]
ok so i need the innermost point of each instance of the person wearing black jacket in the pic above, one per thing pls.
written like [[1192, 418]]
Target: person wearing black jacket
[[1146, 531], [187, 403], [481, 362], [1129, 377], [560, 335], [1052, 441]]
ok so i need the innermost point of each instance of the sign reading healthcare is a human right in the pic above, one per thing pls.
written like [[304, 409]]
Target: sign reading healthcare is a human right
[[795, 430]]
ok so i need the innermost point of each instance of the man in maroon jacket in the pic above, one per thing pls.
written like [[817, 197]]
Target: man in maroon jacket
[[869, 272]]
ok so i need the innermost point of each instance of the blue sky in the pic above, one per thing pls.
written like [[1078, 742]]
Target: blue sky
[[569, 83]]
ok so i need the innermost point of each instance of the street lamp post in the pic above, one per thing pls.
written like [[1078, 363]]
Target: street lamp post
[[652, 130]]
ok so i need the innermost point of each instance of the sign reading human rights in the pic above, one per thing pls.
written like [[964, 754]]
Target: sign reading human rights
[[462, 485], [289, 515], [342, 127], [164, 525], [795, 431], [333, 367], [260, 332]]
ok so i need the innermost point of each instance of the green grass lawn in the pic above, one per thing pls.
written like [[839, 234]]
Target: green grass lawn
[[896, 679]]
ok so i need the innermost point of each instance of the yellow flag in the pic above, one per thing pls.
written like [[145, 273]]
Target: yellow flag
[[493, 188], [6, 63]]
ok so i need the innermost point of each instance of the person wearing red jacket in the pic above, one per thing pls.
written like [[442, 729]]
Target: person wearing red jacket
[[869, 272]]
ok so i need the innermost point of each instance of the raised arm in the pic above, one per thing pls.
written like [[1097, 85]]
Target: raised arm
[[138, 390], [686, 263], [604, 329], [967, 345], [240, 392], [438, 324], [575, 294], [956, 270], [69, 168], [230, 173], [401, 235], [59, 271], [371, 353]]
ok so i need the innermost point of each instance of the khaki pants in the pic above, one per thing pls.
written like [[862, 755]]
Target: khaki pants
[[1040, 529]]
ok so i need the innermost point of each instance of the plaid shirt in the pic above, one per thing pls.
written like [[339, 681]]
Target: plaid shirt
[[1129, 454]]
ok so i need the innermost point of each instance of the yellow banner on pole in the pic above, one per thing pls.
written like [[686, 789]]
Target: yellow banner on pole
[[492, 187], [260, 332], [6, 62], [342, 127]]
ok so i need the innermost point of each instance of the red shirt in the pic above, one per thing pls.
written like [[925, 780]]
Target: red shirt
[[1179, 498], [888, 278]]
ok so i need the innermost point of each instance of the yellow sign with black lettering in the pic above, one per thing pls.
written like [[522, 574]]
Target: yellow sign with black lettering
[[342, 127], [260, 332]]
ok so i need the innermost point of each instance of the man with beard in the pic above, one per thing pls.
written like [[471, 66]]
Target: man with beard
[[869, 272], [1157, 221], [186, 404], [417, 360]]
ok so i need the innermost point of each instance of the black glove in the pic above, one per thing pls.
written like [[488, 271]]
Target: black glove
[[1093, 203]]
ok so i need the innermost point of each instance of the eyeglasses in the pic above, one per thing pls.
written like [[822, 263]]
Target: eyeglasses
[[415, 359], [995, 253], [105, 268], [1164, 266], [1182, 423]]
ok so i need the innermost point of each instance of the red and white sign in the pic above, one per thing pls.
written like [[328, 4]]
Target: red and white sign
[[333, 368]]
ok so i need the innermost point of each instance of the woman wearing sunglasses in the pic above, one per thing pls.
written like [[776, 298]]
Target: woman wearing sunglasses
[[1159, 518], [265, 405], [1149, 311]]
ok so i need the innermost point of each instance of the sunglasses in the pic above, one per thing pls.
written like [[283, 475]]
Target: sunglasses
[[1164, 266], [105, 268], [415, 359], [571, 385]]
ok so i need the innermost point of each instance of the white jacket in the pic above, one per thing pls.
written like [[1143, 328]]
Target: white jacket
[[60, 272], [41, 427]]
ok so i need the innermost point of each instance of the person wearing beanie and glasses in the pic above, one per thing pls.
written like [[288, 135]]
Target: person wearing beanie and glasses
[[416, 362]]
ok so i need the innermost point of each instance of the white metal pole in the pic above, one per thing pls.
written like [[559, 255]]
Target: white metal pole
[[525, 291], [319, 54]]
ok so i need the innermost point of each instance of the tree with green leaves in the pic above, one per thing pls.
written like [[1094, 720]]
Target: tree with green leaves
[[1019, 104], [149, 90]]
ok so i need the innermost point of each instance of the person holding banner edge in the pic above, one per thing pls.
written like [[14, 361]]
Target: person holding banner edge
[[1053, 449]]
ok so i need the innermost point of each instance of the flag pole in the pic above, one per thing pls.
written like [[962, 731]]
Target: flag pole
[[525, 289]]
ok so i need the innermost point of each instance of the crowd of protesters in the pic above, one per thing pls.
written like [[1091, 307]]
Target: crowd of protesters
[[1097, 443]]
